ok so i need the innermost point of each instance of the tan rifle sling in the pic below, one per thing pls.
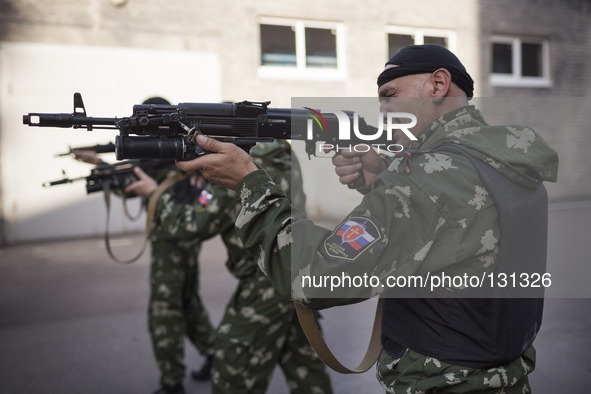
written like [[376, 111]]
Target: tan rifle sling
[[312, 332], [168, 182]]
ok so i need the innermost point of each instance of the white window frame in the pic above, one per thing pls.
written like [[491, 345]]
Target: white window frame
[[301, 71], [516, 79], [419, 34]]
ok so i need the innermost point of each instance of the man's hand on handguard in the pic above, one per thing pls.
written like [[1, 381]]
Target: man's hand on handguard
[[87, 156], [348, 166], [225, 163], [144, 186]]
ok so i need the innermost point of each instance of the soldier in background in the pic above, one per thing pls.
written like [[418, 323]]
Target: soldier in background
[[259, 329], [175, 308]]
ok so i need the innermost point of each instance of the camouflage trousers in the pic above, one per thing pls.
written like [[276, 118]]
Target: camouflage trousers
[[415, 373], [175, 308], [260, 330]]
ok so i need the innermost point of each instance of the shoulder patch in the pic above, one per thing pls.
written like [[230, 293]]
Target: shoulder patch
[[353, 237], [204, 199]]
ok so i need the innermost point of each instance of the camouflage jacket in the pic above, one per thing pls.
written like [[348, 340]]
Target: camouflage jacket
[[427, 212], [215, 209]]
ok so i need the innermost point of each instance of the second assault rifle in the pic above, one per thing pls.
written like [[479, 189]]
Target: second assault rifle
[[156, 131], [114, 176]]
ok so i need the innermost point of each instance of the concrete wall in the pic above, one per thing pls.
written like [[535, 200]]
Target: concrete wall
[[561, 112], [565, 24], [229, 31], [42, 78], [222, 28]]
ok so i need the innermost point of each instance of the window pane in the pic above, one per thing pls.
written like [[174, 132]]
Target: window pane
[[502, 59], [436, 40], [278, 46], [321, 48], [531, 60], [398, 41]]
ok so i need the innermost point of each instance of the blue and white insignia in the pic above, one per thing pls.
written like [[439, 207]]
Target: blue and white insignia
[[353, 237], [204, 199]]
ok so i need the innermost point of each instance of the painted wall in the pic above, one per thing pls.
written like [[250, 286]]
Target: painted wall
[[42, 78]]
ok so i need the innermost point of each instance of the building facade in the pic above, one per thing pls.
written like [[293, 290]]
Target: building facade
[[122, 51]]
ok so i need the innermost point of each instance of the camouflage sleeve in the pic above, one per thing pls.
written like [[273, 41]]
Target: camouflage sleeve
[[212, 213], [376, 239], [266, 213]]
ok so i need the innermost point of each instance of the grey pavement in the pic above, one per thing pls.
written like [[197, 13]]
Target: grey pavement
[[73, 321]]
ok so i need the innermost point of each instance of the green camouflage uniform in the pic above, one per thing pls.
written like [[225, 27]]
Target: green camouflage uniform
[[259, 328], [429, 212], [175, 309]]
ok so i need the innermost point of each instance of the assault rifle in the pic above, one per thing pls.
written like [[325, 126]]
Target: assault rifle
[[99, 148], [156, 131], [114, 176], [108, 177]]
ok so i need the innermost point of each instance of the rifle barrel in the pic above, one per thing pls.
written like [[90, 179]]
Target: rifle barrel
[[62, 181], [67, 120]]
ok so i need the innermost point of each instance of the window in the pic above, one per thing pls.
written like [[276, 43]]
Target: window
[[321, 48], [519, 62], [296, 48], [278, 46], [400, 37]]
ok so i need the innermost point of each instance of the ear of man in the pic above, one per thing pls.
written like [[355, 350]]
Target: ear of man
[[441, 83]]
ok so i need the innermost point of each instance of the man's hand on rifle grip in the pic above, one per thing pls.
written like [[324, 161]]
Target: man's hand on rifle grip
[[357, 169], [224, 163]]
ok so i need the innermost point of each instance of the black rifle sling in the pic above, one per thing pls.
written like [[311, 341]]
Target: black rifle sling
[[168, 182]]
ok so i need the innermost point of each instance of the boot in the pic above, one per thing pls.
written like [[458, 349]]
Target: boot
[[205, 372]]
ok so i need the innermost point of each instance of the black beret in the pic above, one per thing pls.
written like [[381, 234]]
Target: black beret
[[419, 59]]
